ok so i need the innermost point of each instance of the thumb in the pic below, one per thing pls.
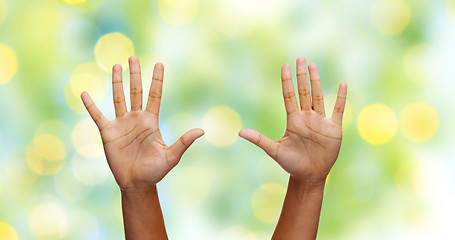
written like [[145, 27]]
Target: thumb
[[259, 140], [183, 143]]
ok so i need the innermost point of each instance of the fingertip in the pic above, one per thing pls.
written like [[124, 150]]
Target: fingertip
[[116, 67], [313, 66], [301, 60], [132, 59], [83, 94], [200, 132]]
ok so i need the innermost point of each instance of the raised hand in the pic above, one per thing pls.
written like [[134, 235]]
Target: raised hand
[[311, 143], [133, 145]]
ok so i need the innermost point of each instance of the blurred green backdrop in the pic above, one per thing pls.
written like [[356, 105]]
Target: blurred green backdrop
[[394, 178]]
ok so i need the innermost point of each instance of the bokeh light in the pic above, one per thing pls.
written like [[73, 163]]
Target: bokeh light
[[191, 176], [221, 125], [113, 48], [419, 121], [49, 147], [90, 171], [377, 124], [390, 17], [48, 221], [422, 63], [450, 8], [74, 1], [7, 232], [86, 77], [87, 140], [178, 12], [8, 63], [266, 202]]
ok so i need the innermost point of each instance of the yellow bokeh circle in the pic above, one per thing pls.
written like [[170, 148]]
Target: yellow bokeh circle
[[74, 2], [178, 12], [46, 155], [377, 124], [8, 63], [113, 48], [221, 125], [422, 63], [419, 122], [390, 17], [87, 140], [267, 201], [7, 232], [87, 77], [49, 147], [48, 221], [450, 8]]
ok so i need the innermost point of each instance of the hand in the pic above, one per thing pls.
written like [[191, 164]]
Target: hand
[[133, 145], [311, 143]]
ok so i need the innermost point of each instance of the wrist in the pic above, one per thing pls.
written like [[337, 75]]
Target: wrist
[[305, 185], [139, 191]]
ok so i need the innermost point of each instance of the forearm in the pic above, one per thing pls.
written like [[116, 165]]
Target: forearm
[[142, 216], [299, 218]]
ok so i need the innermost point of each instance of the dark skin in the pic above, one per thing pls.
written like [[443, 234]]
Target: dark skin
[[307, 151], [136, 152]]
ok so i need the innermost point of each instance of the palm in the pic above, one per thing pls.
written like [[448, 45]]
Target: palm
[[134, 148], [311, 142]]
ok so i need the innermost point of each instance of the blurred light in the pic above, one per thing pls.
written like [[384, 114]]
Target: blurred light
[[74, 1], [83, 225], [268, 170], [450, 8], [87, 140], [419, 121], [181, 122], [407, 178], [78, 37], [191, 176], [16, 170], [84, 5], [8, 63], [377, 124], [329, 103], [221, 125], [7, 232], [267, 201], [113, 48], [390, 17], [49, 147], [48, 221], [68, 186], [422, 63], [238, 233], [3, 10], [40, 165], [90, 171], [86, 77], [178, 12]]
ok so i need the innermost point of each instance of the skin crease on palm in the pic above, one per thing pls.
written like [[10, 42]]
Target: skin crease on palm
[[311, 142], [133, 144]]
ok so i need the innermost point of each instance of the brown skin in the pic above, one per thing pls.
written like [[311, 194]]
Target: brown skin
[[135, 151], [307, 151]]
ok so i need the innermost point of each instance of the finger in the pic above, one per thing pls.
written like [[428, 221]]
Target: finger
[[260, 140], [302, 82], [290, 102], [117, 88], [156, 88], [338, 110], [316, 89], [135, 84], [180, 146], [94, 112]]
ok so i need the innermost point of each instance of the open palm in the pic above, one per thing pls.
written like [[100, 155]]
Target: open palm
[[311, 143], [133, 145]]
